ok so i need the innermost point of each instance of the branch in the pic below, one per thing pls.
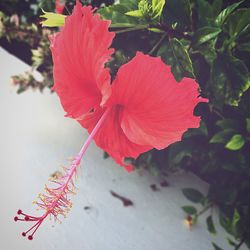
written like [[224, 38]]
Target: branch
[[171, 32], [240, 244]]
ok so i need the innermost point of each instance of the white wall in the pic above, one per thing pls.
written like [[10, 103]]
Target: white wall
[[36, 138]]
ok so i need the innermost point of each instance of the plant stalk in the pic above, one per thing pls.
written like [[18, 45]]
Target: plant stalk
[[139, 27], [156, 46]]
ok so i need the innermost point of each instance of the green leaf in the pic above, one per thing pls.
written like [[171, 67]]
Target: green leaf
[[175, 54], [189, 210], [216, 247], [228, 124], [210, 225], [242, 42], [236, 142], [154, 169], [222, 136], [234, 163], [205, 13], [231, 243], [216, 7], [156, 30], [226, 12], [244, 47], [134, 13], [52, 19], [236, 218], [179, 151], [208, 51], [157, 7], [116, 13], [201, 131], [237, 22], [37, 57], [229, 80], [193, 195], [205, 34], [248, 124], [130, 4], [225, 222], [145, 7], [177, 12]]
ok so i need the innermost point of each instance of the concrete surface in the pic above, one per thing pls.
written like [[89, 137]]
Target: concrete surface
[[36, 139]]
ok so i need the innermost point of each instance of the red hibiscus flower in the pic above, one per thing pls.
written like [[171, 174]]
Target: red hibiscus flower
[[149, 109], [60, 4], [144, 108]]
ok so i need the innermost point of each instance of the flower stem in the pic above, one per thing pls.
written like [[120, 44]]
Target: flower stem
[[205, 209]]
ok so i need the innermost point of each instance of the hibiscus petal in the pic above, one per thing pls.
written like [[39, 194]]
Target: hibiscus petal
[[60, 6], [111, 137], [157, 110], [79, 52]]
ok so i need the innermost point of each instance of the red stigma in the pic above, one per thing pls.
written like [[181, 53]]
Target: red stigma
[[28, 218], [30, 237]]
